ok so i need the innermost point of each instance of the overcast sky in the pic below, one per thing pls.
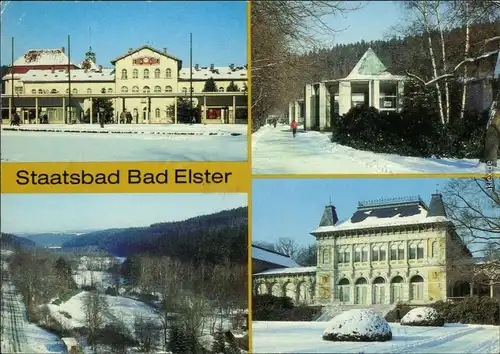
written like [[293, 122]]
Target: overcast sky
[[30, 213]]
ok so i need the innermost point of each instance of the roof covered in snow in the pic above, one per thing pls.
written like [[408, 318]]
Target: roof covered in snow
[[391, 212], [272, 257], [35, 57], [62, 75], [295, 270], [369, 66], [217, 73]]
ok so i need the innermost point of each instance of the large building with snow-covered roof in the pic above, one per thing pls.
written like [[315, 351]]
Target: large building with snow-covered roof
[[144, 82], [387, 251]]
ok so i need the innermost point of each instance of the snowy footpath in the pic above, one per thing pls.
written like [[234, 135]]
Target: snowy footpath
[[20, 336], [306, 337], [275, 151], [124, 142]]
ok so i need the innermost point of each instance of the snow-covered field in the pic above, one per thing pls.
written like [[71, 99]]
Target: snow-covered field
[[306, 337], [101, 280], [275, 151], [121, 308], [222, 142], [20, 336]]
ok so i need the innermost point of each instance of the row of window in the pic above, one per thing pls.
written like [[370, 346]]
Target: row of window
[[416, 251], [145, 74], [124, 89], [73, 91]]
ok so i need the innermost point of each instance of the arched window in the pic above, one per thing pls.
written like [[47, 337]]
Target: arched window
[[168, 73], [103, 90], [124, 89], [157, 113], [378, 290], [326, 255], [361, 291], [146, 89], [413, 251], [157, 73], [135, 74], [221, 89], [420, 251], [383, 253], [375, 254], [401, 252], [434, 249], [396, 289], [146, 73], [364, 254], [40, 91], [135, 89], [33, 92], [184, 90], [89, 90], [74, 91], [394, 252], [416, 288], [67, 90], [124, 74], [168, 88], [157, 89], [344, 290], [357, 255]]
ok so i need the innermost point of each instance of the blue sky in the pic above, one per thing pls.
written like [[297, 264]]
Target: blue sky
[[219, 29], [26, 213], [293, 207]]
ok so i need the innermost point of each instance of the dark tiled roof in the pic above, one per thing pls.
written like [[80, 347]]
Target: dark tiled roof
[[436, 207], [388, 209], [329, 217]]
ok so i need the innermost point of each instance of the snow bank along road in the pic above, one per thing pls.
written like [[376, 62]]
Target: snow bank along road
[[275, 151], [124, 143], [306, 337]]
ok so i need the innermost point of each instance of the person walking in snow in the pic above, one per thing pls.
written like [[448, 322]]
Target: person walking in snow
[[398, 314], [294, 127]]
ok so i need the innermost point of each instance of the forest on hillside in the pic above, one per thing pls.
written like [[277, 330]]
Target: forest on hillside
[[209, 239], [13, 242]]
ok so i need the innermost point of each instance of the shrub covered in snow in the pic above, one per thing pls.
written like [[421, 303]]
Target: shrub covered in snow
[[359, 325], [423, 316]]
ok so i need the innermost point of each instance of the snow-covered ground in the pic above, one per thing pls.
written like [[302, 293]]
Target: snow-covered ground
[[181, 142], [20, 336], [275, 151], [101, 280], [306, 337], [121, 308]]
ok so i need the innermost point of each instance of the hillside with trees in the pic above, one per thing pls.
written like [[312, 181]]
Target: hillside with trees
[[13, 242], [202, 239]]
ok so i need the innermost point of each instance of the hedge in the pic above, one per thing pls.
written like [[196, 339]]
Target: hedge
[[274, 308]]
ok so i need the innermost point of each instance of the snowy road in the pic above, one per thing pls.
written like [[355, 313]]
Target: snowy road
[[20, 336], [170, 143], [306, 337], [275, 151]]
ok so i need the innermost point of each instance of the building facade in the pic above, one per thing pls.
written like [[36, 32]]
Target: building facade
[[387, 252], [146, 83]]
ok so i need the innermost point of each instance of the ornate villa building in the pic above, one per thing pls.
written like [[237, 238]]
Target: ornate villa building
[[388, 251], [144, 83]]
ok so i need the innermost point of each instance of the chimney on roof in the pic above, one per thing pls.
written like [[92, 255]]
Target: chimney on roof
[[329, 217], [436, 206], [63, 50], [130, 50], [164, 50], [100, 67], [212, 66], [52, 69], [197, 67], [231, 66]]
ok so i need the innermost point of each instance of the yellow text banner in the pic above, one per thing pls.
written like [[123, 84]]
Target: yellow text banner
[[126, 177]]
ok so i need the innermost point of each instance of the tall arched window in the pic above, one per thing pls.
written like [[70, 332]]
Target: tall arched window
[[364, 254], [357, 254], [135, 74], [420, 251], [157, 113], [326, 255], [135, 89], [157, 73], [146, 89], [124, 74], [157, 89], [434, 249], [124, 89], [375, 254], [146, 73], [401, 252], [413, 251], [168, 73], [416, 288], [168, 88]]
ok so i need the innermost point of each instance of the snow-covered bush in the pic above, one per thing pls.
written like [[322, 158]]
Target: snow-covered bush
[[423, 316], [359, 325]]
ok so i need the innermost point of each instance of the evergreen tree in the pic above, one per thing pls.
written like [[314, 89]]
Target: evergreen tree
[[232, 87], [219, 344], [232, 349], [173, 338], [210, 86]]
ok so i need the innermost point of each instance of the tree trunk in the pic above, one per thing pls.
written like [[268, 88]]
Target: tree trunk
[[433, 59], [466, 54], [445, 66]]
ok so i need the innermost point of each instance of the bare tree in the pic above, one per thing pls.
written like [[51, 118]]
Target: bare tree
[[146, 332], [473, 205], [288, 247], [95, 307]]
